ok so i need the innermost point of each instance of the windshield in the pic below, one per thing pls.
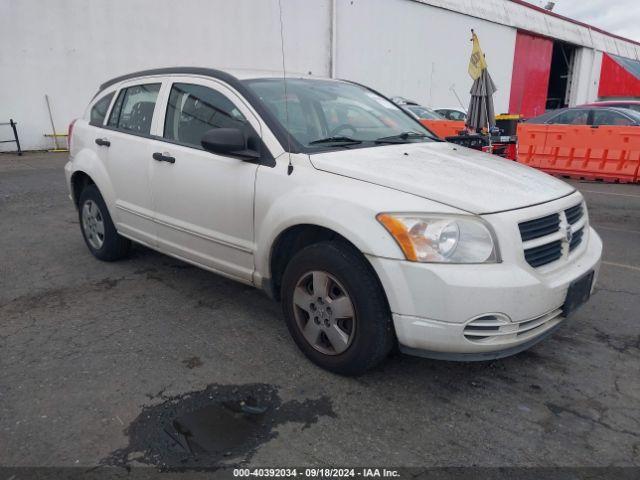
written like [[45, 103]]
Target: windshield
[[326, 114], [424, 113]]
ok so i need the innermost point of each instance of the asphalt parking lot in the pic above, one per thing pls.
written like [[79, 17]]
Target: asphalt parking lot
[[96, 359]]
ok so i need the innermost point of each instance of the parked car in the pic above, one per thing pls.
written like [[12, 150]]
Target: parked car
[[423, 113], [586, 115], [338, 204], [630, 104], [452, 113]]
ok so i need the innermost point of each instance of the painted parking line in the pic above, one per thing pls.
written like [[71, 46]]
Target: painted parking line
[[610, 193], [622, 265], [614, 229]]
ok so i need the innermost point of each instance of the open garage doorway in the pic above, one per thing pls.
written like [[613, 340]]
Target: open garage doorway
[[560, 75], [542, 74]]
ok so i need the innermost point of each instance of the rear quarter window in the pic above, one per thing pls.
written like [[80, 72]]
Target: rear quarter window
[[99, 110]]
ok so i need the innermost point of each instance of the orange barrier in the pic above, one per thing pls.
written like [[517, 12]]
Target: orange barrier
[[444, 128], [608, 153]]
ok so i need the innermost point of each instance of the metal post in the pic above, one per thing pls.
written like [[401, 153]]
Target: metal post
[[15, 135], [53, 127], [334, 42]]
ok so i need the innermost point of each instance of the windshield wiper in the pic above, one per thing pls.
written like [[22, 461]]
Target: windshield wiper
[[402, 137], [338, 140]]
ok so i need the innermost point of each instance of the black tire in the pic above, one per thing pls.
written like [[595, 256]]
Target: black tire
[[373, 338], [114, 246]]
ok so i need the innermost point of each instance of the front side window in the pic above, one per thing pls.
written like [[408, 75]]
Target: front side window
[[607, 117], [321, 114], [99, 110], [193, 110], [571, 117], [133, 110]]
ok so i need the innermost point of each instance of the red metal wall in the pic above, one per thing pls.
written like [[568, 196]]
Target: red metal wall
[[616, 81], [530, 78]]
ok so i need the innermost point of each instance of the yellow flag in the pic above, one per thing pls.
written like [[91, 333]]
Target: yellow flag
[[477, 62]]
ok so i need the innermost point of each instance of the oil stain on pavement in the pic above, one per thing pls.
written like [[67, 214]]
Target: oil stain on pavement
[[222, 425]]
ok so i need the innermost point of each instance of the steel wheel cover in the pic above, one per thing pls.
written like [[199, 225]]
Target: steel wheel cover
[[93, 224], [324, 312]]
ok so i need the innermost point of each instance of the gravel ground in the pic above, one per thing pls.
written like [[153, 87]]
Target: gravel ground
[[97, 359]]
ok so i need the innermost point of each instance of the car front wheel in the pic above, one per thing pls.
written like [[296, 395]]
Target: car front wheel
[[335, 308]]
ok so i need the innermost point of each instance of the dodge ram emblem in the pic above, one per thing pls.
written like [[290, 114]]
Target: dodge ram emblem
[[568, 234]]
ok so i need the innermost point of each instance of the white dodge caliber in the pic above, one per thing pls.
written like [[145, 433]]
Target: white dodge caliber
[[370, 231]]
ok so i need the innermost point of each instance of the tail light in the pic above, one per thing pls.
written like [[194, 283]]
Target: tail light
[[70, 132]]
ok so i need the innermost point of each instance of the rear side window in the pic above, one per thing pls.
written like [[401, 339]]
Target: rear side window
[[572, 117], [99, 110], [193, 110], [133, 110]]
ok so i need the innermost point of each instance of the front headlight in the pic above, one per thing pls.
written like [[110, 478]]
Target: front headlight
[[442, 239]]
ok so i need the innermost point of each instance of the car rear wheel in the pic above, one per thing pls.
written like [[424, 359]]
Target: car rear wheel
[[98, 229], [335, 308]]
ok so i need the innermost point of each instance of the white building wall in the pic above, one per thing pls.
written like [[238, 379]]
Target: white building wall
[[418, 51], [415, 48], [67, 48]]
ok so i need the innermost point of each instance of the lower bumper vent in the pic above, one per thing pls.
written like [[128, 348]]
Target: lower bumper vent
[[498, 329]]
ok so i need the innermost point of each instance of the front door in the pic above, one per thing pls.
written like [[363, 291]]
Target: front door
[[203, 202]]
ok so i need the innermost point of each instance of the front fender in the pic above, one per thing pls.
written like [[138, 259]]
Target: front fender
[[341, 204]]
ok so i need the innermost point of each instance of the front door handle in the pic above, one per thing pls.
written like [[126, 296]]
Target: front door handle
[[103, 142], [161, 157]]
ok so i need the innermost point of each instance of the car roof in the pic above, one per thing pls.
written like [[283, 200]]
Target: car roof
[[553, 113], [612, 103], [231, 76]]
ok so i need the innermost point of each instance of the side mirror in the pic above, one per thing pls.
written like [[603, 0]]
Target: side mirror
[[228, 141]]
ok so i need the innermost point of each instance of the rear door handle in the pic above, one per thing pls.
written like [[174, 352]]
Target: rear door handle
[[160, 157], [103, 142]]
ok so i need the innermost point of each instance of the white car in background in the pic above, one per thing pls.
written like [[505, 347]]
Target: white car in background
[[452, 113], [338, 204]]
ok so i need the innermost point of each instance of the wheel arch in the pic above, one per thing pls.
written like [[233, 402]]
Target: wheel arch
[[88, 169], [79, 181], [296, 237]]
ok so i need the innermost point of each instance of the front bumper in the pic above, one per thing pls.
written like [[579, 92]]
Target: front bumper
[[435, 306]]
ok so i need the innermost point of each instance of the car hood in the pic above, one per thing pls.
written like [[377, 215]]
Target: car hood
[[456, 176]]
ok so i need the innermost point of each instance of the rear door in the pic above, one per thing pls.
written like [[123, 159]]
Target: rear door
[[128, 140], [203, 201]]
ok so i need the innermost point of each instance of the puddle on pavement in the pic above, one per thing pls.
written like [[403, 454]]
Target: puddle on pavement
[[222, 425]]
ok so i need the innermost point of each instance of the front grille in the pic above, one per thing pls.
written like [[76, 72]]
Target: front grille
[[574, 214], [547, 253], [576, 239], [546, 240], [539, 227], [495, 328]]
